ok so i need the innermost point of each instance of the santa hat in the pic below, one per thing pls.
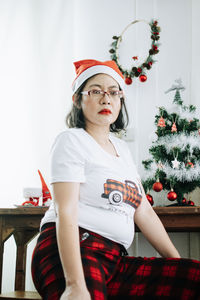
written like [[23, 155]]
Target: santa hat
[[89, 67]]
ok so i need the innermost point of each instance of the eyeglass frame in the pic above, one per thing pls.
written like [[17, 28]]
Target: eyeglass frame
[[103, 93]]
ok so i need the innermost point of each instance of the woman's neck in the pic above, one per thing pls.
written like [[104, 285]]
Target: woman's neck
[[100, 134]]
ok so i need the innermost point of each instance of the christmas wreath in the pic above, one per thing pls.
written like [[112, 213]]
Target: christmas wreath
[[147, 64]]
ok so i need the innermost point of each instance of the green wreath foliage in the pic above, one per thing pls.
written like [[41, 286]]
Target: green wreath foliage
[[147, 64]]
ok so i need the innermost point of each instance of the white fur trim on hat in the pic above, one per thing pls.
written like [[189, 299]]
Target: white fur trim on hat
[[96, 70], [32, 192]]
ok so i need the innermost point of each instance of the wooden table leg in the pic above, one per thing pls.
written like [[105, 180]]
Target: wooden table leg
[[22, 238], [1, 263], [4, 235], [1, 251]]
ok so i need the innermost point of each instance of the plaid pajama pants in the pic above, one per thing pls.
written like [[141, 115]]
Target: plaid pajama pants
[[111, 274]]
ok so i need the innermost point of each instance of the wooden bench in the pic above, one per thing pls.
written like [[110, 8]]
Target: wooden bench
[[23, 223], [21, 295]]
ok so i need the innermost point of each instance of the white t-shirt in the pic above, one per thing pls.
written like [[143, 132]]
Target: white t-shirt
[[109, 185]]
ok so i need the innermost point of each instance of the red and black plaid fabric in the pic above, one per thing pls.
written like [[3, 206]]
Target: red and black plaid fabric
[[111, 274], [129, 191], [46, 267]]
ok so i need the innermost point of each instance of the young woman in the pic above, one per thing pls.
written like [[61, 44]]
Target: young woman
[[81, 251]]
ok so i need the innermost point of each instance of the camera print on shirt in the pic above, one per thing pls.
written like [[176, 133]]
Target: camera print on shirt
[[118, 192]]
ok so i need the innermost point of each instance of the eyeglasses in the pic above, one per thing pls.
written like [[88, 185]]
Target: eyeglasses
[[98, 94]]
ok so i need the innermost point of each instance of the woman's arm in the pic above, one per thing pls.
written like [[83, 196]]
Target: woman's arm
[[152, 228], [66, 195]]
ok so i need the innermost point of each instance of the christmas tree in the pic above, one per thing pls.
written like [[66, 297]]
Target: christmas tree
[[174, 165]]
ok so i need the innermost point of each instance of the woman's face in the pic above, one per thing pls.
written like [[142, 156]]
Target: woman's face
[[101, 110]]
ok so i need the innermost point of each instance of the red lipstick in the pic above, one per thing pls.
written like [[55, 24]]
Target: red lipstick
[[105, 112]]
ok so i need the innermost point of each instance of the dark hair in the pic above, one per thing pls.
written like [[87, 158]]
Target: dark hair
[[75, 117]]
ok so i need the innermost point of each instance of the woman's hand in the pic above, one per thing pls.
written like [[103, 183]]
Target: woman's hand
[[75, 292], [152, 228]]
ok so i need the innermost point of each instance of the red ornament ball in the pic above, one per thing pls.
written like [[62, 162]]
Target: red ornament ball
[[172, 196], [150, 199], [128, 80], [184, 201], [189, 164], [143, 78], [190, 202], [157, 186]]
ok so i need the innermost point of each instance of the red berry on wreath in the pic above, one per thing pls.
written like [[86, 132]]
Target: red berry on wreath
[[157, 186], [128, 80], [150, 63], [139, 70], [150, 199], [172, 196], [155, 47], [143, 78]]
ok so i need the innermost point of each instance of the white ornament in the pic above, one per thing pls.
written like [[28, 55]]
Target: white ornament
[[175, 163]]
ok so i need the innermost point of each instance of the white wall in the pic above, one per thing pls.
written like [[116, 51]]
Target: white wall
[[35, 76], [40, 39]]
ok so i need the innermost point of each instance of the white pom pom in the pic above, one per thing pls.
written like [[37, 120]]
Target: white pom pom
[[32, 192]]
